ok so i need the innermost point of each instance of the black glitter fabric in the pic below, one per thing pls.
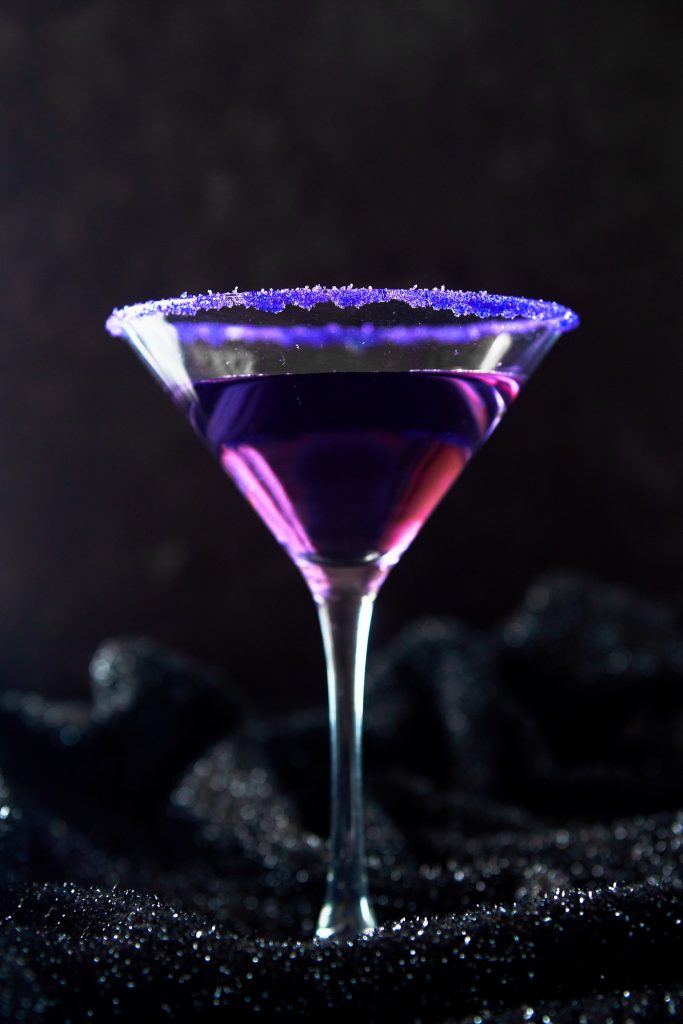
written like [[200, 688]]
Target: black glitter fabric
[[161, 850]]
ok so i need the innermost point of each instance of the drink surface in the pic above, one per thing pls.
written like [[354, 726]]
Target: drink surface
[[345, 468]]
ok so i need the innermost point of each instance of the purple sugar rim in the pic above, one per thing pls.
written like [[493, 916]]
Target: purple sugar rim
[[527, 312]]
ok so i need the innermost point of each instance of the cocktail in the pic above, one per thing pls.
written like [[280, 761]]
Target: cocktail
[[343, 415]]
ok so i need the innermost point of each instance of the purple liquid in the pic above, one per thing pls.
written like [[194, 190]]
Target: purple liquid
[[346, 467]]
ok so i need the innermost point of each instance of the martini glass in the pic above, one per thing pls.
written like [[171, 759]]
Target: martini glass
[[343, 415]]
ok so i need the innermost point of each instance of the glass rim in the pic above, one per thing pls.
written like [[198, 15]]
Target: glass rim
[[510, 313]]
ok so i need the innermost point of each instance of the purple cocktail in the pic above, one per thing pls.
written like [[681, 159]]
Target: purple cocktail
[[344, 468], [344, 415]]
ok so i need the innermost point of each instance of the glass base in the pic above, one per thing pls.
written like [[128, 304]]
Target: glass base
[[345, 921]]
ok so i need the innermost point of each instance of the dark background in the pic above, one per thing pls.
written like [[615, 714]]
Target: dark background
[[528, 148]]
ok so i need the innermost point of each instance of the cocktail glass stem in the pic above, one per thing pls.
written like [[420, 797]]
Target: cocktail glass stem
[[345, 613]]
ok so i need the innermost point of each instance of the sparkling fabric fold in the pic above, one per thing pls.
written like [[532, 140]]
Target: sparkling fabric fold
[[162, 847]]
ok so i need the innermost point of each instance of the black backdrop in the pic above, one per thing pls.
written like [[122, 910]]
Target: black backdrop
[[524, 147]]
